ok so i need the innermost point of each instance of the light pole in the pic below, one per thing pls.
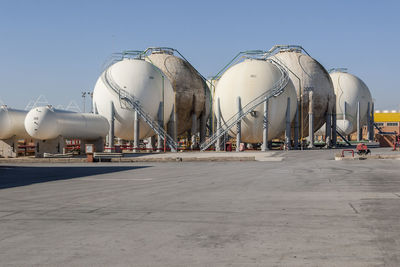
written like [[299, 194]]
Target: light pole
[[84, 100], [84, 97]]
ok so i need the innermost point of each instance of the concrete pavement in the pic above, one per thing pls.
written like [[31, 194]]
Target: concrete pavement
[[307, 210]]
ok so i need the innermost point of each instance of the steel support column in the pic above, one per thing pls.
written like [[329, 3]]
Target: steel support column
[[136, 132], [238, 126], [219, 124], [359, 133], [310, 120], [288, 126], [110, 142], [264, 146]]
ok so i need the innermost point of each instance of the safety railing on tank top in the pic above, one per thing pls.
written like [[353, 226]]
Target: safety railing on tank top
[[130, 102], [274, 91]]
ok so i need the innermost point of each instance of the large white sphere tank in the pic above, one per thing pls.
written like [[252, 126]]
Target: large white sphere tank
[[249, 80], [12, 123], [308, 74], [45, 123], [143, 81], [191, 91], [350, 90]]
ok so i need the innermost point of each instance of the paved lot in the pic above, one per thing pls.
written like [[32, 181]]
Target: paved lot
[[307, 210]]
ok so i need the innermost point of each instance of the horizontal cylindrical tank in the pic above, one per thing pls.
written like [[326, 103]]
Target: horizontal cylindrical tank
[[12, 123], [46, 123], [143, 81], [249, 80], [191, 91], [350, 90], [307, 74]]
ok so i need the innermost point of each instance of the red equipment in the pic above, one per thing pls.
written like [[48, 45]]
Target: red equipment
[[362, 149]]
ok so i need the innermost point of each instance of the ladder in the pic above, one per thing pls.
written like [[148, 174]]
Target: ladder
[[276, 90], [127, 101]]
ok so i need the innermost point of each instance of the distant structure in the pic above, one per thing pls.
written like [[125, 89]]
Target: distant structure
[[73, 106], [40, 101]]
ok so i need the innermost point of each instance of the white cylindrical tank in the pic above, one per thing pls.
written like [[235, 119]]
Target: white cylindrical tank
[[12, 123], [146, 83], [191, 91], [308, 74], [249, 80], [350, 90], [46, 123]]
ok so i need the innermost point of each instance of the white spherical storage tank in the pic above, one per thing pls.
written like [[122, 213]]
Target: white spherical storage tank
[[308, 74], [350, 90], [45, 123], [191, 91], [249, 80], [12, 123], [141, 80]]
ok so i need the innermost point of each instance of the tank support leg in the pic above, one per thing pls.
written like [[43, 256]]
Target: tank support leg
[[160, 143], [136, 133], [359, 134], [296, 127], [238, 127], [264, 146], [172, 126], [203, 126], [218, 143], [110, 142], [194, 132], [150, 143], [371, 124], [328, 129], [310, 121], [333, 129], [288, 133]]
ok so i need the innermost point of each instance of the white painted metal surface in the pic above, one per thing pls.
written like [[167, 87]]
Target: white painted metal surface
[[308, 74], [46, 123], [142, 80], [12, 123], [248, 80], [191, 92], [349, 90]]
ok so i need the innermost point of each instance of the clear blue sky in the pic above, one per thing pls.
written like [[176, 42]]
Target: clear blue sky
[[57, 48]]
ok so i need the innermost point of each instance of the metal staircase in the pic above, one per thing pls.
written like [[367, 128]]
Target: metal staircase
[[127, 101], [276, 90]]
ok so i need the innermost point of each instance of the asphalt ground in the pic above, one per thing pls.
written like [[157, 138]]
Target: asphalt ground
[[306, 210]]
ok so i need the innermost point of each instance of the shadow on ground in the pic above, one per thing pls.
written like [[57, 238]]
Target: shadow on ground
[[14, 176]]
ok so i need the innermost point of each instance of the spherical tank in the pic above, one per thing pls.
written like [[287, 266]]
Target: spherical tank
[[249, 80], [12, 123], [190, 89], [308, 74], [46, 123], [143, 81], [350, 90]]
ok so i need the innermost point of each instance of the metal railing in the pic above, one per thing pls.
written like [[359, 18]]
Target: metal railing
[[128, 101], [274, 91]]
